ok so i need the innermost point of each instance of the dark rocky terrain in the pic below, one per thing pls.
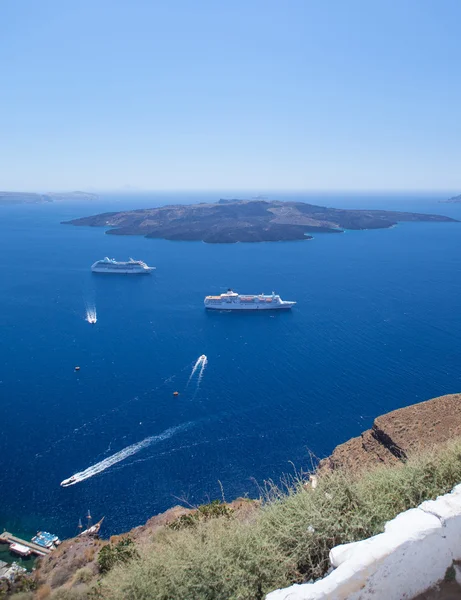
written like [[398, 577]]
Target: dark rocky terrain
[[229, 221]]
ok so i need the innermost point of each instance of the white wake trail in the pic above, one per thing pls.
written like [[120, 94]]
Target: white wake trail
[[121, 455], [91, 316], [202, 363], [202, 370], [195, 367]]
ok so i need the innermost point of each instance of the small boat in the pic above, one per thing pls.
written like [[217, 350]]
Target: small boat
[[46, 540], [20, 549], [93, 530], [175, 393], [69, 481]]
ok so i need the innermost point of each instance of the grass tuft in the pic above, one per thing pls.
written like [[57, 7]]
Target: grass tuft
[[203, 513]]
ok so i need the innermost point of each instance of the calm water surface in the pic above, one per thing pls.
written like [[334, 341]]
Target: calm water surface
[[376, 328]]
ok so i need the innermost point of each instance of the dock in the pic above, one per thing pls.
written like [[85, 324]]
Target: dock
[[8, 538]]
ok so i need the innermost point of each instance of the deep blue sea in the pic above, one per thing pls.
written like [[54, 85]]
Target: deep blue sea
[[377, 327]]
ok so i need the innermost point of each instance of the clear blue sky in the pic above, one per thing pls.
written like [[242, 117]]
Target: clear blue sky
[[214, 94]]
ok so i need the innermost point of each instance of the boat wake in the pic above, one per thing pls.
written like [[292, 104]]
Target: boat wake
[[122, 455], [202, 368], [201, 363], [90, 315], [86, 427]]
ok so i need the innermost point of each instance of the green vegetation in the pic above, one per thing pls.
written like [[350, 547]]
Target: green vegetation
[[450, 574], [225, 556], [113, 554], [203, 513]]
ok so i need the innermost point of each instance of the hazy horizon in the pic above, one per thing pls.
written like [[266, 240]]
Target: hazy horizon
[[306, 95], [256, 191]]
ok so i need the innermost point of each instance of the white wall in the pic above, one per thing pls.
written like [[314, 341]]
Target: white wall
[[412, 555]]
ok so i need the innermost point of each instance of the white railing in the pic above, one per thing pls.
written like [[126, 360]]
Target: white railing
[[411, 556]]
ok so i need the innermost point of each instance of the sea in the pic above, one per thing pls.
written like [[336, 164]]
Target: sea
[[376, 327]]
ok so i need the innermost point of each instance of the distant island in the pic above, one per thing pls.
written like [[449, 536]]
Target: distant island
[[34, 198], [23, 198], [230, 221], [454, 199]]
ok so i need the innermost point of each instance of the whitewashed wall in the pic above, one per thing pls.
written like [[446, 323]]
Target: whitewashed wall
[[412, 555]]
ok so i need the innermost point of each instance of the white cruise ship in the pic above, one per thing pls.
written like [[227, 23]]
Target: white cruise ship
[[110, 265], [233, 301]]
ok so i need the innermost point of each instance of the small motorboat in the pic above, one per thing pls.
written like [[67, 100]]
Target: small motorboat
[[69, 481]]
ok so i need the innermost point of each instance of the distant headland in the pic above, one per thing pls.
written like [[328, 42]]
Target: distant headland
[[34, 198], [230, 221], [453, 200]]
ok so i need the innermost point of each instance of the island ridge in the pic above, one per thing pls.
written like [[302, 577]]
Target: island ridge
[[230, 221]]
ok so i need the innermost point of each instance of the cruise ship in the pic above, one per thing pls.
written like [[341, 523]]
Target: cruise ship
[[233, 301], [110, 265]]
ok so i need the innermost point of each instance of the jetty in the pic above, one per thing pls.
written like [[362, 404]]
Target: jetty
[[8, 538]]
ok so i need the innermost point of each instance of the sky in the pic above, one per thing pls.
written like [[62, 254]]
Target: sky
[[241, 94]]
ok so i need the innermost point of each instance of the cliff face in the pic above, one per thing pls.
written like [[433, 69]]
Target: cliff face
[[398, 434]]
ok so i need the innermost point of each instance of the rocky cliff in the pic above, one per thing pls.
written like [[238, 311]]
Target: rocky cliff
[[398, 434]]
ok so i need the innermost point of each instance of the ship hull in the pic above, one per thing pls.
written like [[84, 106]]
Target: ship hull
[[122, 271], [247, 303], [230, 307], [130, 267]]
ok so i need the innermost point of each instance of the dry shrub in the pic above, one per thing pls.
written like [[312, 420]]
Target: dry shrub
[[61, 575], [114, 539], [80, 593], [78, 561], [38, 562], [89, 554], [43, 592], [83, 575]]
